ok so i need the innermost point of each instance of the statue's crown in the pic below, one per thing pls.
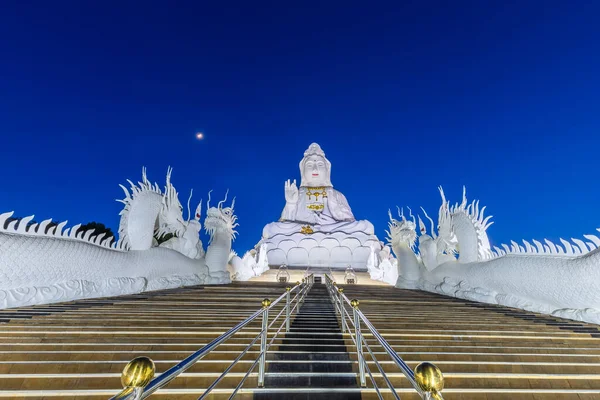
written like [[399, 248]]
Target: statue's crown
[[314, 149]]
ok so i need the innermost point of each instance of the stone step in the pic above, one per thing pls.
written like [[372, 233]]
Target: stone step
[[313, 364], [417, 347], [314, 393], [124, 356], [481, 381]]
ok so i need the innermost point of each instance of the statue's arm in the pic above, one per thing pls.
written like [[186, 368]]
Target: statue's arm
[[291, 201], [340, 208], [289, 211]]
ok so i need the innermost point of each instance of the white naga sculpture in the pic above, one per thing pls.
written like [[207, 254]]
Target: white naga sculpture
[[317, 227], [253, 264], [458, 261], [40, 265], [383, 266]]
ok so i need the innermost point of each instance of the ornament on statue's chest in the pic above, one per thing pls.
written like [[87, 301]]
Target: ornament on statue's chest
[[315, 199]]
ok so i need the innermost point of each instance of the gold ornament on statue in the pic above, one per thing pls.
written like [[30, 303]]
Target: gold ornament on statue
[[306, 229], [316, 191]]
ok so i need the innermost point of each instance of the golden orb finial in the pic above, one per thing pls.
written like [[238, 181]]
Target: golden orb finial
[[266, 303], [340, 290], [429, 378], [138, 373], [288, 288], [297, 282], [354, 303]]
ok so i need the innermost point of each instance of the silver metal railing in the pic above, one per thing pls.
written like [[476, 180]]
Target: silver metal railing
[[427, 379], [138, 376]]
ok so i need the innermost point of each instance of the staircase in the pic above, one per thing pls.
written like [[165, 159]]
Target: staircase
[[77, 350], [312, 361]]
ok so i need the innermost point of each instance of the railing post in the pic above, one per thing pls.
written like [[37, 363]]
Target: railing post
[[332, 293], [298, 297], [341, 301], [334, 299], [288, 306], [263, 343], [359, 344], [304, 290]]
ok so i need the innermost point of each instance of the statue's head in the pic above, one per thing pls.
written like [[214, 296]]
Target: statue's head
[[315, 169]]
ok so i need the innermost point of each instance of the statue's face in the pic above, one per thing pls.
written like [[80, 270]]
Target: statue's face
[[315, 171]]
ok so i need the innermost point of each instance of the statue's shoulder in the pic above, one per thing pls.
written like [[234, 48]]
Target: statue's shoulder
[[332, 192]]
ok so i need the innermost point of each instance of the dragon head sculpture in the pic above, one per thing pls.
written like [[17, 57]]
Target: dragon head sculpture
[[220, 219], [170, 219], [446, 238], [402, 231], [186, 234]]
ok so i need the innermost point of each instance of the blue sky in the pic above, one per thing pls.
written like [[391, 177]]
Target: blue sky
[[503, 97]]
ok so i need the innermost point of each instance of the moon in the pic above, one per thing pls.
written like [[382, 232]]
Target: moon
[[199, 135]]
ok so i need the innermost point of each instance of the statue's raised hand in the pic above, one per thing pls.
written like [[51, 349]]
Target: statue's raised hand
[[291, 191]]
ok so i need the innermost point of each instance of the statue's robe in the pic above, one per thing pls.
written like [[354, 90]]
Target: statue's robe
[[324, 209]]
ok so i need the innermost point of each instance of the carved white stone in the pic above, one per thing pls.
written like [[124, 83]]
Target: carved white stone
[[373, 265], [262, 263], [40, 265], [317, 226], [189, 244], [458, 261], [220, 224], [252, 265], [388, 266]]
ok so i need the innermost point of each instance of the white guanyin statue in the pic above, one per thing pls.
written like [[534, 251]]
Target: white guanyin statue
[[317, 227]]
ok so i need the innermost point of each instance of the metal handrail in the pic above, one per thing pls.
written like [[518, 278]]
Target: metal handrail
[[140, 371], [264, 346], [423, 383]]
